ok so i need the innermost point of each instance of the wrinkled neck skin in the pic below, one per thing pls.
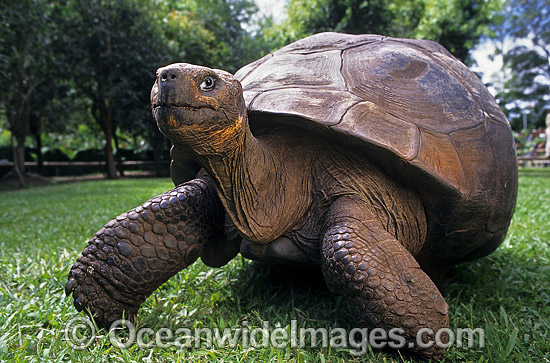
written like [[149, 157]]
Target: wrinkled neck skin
[[250, 182]]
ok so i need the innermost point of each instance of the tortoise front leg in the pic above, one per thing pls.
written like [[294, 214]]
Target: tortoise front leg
[[132, 255], [384, 285]]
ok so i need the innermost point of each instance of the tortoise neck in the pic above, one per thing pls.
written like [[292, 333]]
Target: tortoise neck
[[246, 179]]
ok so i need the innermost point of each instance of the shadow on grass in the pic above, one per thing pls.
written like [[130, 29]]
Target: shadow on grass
[[265, 286], [261, 286], [288, 290]]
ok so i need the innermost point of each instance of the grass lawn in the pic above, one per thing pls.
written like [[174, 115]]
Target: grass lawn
[[44, 229]]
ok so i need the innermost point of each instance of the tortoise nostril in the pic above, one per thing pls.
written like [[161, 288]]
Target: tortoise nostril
[[168, 75]]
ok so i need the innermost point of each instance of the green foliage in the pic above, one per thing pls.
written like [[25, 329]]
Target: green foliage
[[4, 138], [355, 17], [84, 137], [456, 24], [69, 62], [28, 69], [111, 50], [209, 32], [505, 293], [307, 17], [24, 52]]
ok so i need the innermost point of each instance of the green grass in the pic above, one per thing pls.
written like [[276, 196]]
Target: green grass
[[43, 230]]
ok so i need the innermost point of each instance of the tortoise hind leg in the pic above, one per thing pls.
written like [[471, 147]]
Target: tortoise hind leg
[[384, 285], [132, 255]]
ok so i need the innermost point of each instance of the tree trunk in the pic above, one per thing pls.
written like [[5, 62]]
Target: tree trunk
[[37, 133], [18, 151], [109, 156], [18, 119], [109, 127], [39, 155], [118, 155]]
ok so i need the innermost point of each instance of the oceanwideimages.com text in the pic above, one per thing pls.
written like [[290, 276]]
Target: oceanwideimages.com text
[[80, 333]]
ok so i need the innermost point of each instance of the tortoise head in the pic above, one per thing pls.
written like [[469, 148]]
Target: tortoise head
[[199, 108]]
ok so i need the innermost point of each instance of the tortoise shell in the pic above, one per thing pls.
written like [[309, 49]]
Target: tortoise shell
[[416, 111]]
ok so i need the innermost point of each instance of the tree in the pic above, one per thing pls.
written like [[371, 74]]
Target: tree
[[49, 109], [210, 32], [456, 24], [351, 16], [111, 49], [524, 44], [27, 68]]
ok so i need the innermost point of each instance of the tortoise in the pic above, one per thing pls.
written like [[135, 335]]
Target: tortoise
[[375, 158]]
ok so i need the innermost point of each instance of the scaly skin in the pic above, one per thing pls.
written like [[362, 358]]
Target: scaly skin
[[135, 253], [383, 283]]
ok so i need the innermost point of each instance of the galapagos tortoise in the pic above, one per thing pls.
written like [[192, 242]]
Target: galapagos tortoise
[[366, 155]]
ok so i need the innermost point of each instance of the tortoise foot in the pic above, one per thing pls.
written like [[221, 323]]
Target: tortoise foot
[[97, 296], [135, 253], [97, 291]]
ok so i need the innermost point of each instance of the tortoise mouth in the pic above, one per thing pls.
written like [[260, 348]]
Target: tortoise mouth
[[182, 106], [174, 108], [171, 116]]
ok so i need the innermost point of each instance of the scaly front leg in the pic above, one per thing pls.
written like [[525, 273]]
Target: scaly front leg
[[382, 282], [132, 255]]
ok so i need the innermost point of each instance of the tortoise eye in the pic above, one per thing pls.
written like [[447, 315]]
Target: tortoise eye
[[208, 84]]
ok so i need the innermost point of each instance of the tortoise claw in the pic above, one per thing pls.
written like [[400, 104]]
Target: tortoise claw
[[79, 303], [69, 288]]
